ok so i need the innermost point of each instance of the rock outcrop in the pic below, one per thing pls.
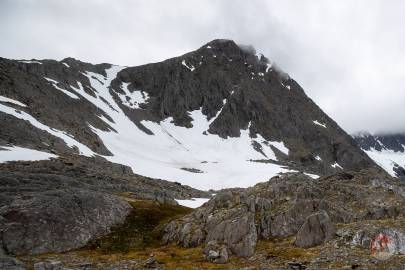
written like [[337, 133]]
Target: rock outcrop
[[58, 220], [289, 205], [60, 204]]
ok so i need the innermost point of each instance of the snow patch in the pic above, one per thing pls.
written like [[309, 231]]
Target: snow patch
[[13, 101], [336, 165], [134, 99], [318, 158], [313, 176], [30, 62], [191, 68], [69, 139], [319, 123], [66, 65], [268, 67], [15, 153], [55, 84], [193, 202]]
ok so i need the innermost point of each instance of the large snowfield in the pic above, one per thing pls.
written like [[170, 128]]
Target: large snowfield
[[173, 153]]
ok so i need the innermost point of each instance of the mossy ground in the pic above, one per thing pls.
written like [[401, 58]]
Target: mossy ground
[[141, 229]]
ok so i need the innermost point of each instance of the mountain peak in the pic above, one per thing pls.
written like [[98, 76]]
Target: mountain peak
[[207, 110], [229, 48]]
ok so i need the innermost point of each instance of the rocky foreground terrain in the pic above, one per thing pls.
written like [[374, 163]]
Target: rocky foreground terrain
[[348, 220], [110, 151], [60, 204]]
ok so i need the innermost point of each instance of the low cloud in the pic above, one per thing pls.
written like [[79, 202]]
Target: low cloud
[[347, 55]]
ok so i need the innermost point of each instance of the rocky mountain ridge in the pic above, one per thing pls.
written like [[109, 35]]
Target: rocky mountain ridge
[[241, 109], [387, 150]]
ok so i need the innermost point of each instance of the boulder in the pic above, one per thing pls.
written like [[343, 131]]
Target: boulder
[[216, 253], [317, 229], [58, 220]]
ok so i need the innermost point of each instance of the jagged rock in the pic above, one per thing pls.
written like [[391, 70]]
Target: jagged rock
[[288, 205], [317, 229]]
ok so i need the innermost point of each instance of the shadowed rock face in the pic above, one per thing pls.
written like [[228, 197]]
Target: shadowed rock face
[[290, 205], [26, 82], [258, 95], [394, 142]]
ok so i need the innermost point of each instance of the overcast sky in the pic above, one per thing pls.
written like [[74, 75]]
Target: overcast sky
[[347, 55]]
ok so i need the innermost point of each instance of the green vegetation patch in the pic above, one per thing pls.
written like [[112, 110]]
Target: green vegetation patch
[[141, 229]]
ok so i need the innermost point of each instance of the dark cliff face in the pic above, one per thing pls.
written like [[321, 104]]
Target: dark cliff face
[[394, 142], [26, 82], [258, 95]]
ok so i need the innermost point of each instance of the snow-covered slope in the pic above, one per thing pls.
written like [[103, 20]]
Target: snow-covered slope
[[173, 152], [387, 150], [215, 118]]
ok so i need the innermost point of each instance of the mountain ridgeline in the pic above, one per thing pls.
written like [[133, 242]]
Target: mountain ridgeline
[[213, 96]]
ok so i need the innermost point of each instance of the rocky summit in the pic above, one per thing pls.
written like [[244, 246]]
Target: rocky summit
[[102, 165]]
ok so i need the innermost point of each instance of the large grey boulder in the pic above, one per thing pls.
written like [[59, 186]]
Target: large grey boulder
[[58, 220], [317, 229], [221, 221], [238, 233]]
